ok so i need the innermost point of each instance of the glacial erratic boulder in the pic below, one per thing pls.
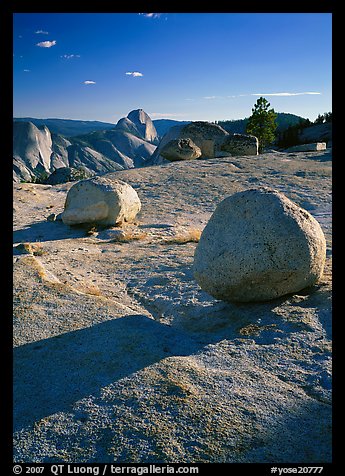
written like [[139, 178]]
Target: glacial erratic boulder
[[259, 245], [67, 174], [180, 149], [205, 135], [102, 201], [240, 144]]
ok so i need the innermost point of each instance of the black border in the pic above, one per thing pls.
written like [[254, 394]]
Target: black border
[[6, 87]]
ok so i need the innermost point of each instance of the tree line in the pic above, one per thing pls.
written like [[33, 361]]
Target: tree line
[[262, 124]]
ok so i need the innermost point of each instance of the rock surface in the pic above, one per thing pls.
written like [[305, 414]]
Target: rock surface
[[240, 144], [180, 149], [257, 246], [317, 133], [67, 174], [100, 200], [121, 357], [207, 136], [307, 147]]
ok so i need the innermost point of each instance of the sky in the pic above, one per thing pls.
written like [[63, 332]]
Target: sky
[[182, 66]]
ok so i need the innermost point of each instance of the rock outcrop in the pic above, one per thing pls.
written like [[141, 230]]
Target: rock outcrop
[[207, 136], [307, 147], [67, 174], [211, 138], [259, 245], [240, 144], [180, 149], [102, 201], [316, 133]]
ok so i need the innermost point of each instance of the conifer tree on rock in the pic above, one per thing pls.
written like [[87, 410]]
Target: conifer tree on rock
[[262, 123]]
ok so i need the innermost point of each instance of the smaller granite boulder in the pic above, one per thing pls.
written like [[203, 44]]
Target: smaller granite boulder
[[180, 149], [307, 147], [240, 144], [259, 245], [67, 174], [102, 201]]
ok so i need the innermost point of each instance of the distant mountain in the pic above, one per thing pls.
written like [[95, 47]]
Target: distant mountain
[[139, 124], [40, 146], [37, 152], [67, 127], [130, 143], [284, 120], [72, 128], [234, 126], [32, 150], [118, 145]]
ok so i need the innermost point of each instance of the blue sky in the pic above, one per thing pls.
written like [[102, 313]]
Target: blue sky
[[183, 66]]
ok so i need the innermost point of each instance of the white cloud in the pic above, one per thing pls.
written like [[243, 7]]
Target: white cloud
[[41, 32], [46, 44], [26, 70], [69, 56], [151, 15], [210, 97], [135, 74], [285, 94], [89, 82]]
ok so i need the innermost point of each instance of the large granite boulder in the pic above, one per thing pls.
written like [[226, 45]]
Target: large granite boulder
[[240, 144], [100, 200], [259, 245], [206, 135], [180, 149]]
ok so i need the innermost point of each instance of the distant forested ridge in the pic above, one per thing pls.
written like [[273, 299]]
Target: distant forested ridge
[[284, 120], [67, 127]]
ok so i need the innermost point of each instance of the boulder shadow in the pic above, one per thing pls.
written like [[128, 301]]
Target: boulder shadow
[[209, 320], [48, 231], [50, 375]]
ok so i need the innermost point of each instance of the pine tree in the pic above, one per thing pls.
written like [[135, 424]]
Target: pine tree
[[262, 123], [320, 119]]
